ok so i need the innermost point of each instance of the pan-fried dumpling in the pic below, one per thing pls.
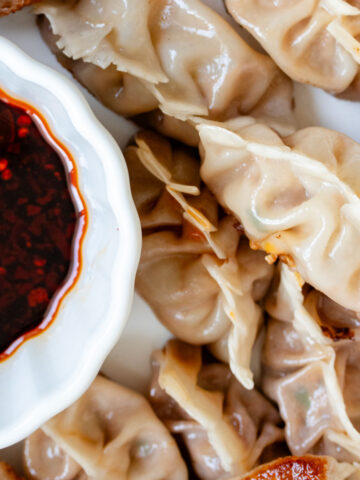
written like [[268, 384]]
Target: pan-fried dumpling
[[197, 271], [301, 468], [7, 473], [297, 198], [308, 360], [313, 41], [224, 426], [111, 433], [11, 6], [187, 57]]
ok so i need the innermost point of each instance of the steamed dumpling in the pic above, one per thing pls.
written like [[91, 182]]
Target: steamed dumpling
[[11, 6], [111, 433], [154, 167], [311, 369], [181, 57], [44, 459], [224, 426], [297, 198], [196, 271], [313, 41]]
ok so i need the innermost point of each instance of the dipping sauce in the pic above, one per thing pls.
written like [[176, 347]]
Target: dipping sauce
[[37, 225]]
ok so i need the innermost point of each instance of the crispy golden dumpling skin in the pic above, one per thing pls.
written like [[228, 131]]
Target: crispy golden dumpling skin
[[11, 6], [7, 473], [308, 467]]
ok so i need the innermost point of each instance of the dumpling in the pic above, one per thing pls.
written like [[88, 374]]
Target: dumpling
[[7, 473], [11, 6], [311, 369], [44, 459], [119, 91], [224, 426], [297, 198], [154, 167], [180, 57], [197, 271], [111, 433], [313, 41], [301, 468]]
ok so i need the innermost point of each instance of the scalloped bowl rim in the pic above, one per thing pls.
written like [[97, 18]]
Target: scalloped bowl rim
[[119, 198]]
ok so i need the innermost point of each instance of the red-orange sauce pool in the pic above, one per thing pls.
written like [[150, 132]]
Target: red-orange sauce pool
[[42, 223]]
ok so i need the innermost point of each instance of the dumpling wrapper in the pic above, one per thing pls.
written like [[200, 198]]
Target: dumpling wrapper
[[312, 41], [186, 56], [224, 426], [154, 166], [110, 433], [196, 271], [301, 373], [297, 198], [301, 468]]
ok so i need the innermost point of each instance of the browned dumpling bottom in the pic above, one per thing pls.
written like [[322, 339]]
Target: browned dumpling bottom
[[7, 473], [11, 6], [307, 467]]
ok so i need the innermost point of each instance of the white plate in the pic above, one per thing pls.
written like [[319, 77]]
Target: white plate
[[129, 361]]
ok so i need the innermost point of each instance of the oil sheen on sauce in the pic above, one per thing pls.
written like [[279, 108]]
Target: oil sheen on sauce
[[41, 226]]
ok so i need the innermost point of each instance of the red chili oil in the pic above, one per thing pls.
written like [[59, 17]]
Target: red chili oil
[[41, 226]]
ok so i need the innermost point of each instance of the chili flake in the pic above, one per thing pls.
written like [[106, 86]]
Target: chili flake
[[36, 216]]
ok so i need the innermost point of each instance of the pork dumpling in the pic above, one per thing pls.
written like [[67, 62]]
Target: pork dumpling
[[117, 90], [306, 467], [196, 271], [311, 370], [186, 56], [109, 433], [44, 459], [297, 198], [313, 41], [224, 426]]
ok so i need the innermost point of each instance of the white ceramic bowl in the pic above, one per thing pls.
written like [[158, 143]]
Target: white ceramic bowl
[[50, 371]]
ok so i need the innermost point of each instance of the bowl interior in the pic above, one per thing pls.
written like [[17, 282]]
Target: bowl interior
[[50, 371]]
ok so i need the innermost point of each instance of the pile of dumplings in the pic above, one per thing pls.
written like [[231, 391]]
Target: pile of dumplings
[[251, 242]]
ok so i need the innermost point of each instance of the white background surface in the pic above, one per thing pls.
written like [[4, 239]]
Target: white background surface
[[129, 361]]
